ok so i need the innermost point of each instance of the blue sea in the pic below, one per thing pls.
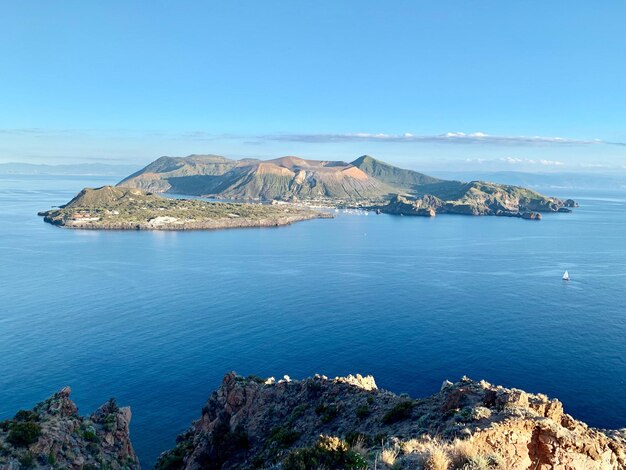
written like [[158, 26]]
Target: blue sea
[[156, 318]]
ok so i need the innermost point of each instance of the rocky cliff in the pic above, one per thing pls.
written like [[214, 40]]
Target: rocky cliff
[[340, 423], [53, 436], [476, 198], [350, 423]]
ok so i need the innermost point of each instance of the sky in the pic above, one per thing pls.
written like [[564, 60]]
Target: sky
[[525, 85]]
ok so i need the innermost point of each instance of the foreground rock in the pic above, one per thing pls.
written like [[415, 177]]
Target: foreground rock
[[53, 435], [112, 208], [350, 423]]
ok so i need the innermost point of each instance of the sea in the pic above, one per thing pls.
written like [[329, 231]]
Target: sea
[[156, 319]]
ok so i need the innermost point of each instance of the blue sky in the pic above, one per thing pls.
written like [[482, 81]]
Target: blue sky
[[530, 85]]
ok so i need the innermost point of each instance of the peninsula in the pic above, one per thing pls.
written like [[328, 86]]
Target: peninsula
[[118, 208], [365, 182]]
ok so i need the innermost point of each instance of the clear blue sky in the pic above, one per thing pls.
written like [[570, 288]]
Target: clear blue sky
[[128, 81]]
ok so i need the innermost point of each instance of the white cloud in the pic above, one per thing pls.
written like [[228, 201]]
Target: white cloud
[[448, 137], [529, 161]]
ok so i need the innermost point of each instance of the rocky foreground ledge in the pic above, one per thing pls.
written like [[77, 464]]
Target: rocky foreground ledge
[[341, 423], [53, 436], [349, 423], [113, 208]]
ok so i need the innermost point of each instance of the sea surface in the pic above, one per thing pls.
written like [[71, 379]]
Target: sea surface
[[156, 318]]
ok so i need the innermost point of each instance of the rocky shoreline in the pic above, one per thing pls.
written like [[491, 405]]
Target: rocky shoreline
[[319, 422], [110, 208], [500, 205]]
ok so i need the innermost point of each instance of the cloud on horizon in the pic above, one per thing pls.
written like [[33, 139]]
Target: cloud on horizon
[[447, 138]]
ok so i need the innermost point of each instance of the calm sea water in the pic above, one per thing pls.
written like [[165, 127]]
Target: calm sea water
[[156, 319]]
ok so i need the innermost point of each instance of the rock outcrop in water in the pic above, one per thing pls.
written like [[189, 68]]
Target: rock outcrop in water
[[53, 436], [350, 423]]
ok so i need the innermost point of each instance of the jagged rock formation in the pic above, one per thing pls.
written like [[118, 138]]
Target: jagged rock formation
[[113, 208], [366, 182], [350, 423], [475, 198], [53, 436]]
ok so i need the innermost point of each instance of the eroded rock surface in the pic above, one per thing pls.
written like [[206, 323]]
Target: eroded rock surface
[[53, 436], [350, 423]]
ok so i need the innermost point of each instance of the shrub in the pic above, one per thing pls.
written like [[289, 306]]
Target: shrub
[[110, 422], [328, 452], [24, 415], [399, 412], [23, 434], [363, 411], [26, 460], [90, 434], [283, 437], [297, 413], [173, 459], [327, 412]]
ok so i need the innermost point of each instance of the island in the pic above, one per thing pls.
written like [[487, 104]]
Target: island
[[321, 422], [365, 183], [119, 208]]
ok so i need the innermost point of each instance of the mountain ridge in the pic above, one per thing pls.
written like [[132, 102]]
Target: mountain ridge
[[366, 182]]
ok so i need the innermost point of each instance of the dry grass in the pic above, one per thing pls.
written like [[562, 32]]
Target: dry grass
[[436, 457], [462, 452], [359, 447], [389, 455], [413, 446]]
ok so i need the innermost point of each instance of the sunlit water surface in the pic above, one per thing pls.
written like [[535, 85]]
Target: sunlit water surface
[[156, 318]]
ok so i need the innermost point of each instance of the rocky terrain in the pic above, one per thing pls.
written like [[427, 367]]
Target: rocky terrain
[[53, 436], [315, 423], [287, 179], [349, 423], [364, 182], [113, 208], [477, 198]]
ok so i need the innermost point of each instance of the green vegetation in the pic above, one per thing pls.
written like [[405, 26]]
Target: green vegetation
[[26, 415], [363, 411], [328, 452], [26, 460], [173, 459], [297, 413], [282, 437], [23, 434], [327, 412], [399, 412]]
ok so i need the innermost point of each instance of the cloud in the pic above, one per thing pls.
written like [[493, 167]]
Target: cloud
[[529, 161], [447, 138]]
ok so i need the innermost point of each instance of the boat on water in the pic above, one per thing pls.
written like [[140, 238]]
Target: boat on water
[[566, 276]]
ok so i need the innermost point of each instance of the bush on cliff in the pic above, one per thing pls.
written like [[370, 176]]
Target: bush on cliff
[[328, 452], [23, 434], [399, 412]]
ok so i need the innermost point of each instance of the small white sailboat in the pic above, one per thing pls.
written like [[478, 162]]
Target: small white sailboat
[[566, 276]]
